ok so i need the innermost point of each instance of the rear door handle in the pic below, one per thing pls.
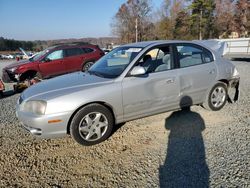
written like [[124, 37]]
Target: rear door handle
[[212, 71]]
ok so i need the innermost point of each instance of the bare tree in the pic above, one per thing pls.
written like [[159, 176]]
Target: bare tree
[[131, 14], [241, 17], [164, 27], [224, 18]]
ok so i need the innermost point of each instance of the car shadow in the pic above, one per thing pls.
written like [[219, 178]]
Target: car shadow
[[185, 164], [241, 59], [116, 128], [7, 94]]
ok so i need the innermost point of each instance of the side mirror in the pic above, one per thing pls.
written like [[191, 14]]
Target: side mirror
[[138, 70], [46, 59]]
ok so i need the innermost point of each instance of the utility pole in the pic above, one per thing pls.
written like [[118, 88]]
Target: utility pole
[[136, 30], [200, 25]]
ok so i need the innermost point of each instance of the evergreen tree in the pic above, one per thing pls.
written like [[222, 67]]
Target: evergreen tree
[[202, 18], [182, 27]]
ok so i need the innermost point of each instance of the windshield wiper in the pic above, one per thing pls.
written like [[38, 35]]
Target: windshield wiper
[[95, 73]]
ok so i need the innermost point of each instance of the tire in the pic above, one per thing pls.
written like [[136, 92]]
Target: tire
[[38, 76], [217, 97], [86, 66], [28, 75], [91, 125]]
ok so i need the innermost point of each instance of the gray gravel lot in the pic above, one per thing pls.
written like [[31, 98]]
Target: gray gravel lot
[[196, 148]]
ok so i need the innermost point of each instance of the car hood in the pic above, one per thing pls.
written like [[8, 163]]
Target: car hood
[[17, 63], [64, 84]]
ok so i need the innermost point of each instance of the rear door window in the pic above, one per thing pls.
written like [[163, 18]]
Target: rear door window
[[87, 50], [73, 52], [190, 55], [207, 56]]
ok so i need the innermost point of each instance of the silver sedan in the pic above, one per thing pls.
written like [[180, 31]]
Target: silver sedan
[[130, 82]]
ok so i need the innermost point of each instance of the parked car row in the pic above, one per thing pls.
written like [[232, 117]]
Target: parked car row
[[16, 55], [8, 56], [132, 81]]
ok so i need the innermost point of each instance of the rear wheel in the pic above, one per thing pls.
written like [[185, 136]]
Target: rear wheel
[[91, 125], [217, 97], [86, 66]]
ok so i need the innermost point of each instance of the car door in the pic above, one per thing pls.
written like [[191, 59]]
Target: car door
[[52, 64], [74, 59], [197, 71], [154, 92]]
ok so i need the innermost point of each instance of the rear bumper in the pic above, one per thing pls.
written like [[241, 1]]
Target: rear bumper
[[234, 90]]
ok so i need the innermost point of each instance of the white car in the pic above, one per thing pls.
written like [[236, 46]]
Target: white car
[[8, 56]]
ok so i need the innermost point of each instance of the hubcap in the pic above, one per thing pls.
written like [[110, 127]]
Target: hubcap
[[87, 66], [218, 96], [93, 126]]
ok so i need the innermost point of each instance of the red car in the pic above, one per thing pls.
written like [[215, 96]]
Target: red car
[[53, 61]]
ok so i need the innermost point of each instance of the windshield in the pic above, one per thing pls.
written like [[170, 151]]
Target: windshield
[[115, 62], [40, 54]]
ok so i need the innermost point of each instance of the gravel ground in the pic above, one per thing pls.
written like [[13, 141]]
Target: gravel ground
[[196, 148]]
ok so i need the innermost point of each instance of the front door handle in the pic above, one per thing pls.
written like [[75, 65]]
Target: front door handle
[[170, 80]]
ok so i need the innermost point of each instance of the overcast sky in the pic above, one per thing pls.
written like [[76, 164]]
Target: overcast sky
[[57, 19]]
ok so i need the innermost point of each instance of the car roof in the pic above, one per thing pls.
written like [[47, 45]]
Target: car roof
[[69, 45], [158, 42]]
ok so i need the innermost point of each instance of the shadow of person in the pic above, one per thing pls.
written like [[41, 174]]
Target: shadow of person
[[185, 163]]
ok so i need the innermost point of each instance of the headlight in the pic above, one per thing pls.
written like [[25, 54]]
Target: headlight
[[235, 73], [36, 107], [12, 69]]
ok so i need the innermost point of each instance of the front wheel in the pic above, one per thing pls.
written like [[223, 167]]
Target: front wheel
[[91, 125], [217, 97]]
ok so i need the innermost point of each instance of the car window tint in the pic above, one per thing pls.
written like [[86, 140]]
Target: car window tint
[[157, 60], [87, 50], [207, 56], [73, 52], [55, 55], [189, 55]]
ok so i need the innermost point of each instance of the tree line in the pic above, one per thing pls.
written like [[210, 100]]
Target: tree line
[[182, 19], [12, 45], [39, 45]]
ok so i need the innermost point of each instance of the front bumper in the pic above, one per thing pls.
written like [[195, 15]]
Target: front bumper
[[40, 126], [234, 90], [8, 76]]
